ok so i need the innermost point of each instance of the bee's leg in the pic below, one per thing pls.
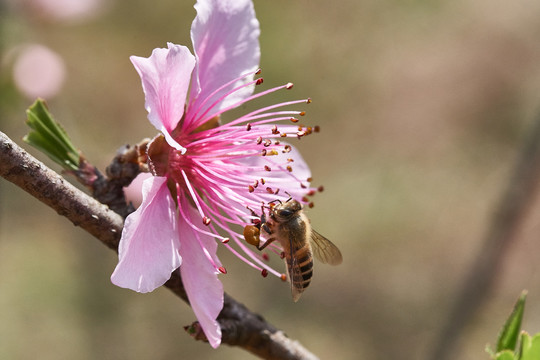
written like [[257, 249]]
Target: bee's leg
[[266, 243]]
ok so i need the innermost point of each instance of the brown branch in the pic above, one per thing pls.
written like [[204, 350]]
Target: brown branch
[[506, 221], [240, 326]]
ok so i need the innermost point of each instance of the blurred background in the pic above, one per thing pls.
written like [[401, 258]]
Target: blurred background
[[423, 106]]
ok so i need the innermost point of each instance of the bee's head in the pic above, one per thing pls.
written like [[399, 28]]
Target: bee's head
[[286, 210]]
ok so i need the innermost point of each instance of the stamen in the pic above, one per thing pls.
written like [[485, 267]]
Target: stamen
[[283, 277], [222, 270], [264, 273], [195, 200]]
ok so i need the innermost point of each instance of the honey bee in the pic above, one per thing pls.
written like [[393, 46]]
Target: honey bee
[[290, 226]]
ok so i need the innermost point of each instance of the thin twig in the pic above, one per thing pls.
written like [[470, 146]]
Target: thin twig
[[240, 326], [512, 210]]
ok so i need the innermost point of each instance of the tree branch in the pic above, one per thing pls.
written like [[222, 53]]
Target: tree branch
[[240, 326]]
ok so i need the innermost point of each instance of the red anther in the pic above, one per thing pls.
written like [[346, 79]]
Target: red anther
[[308, 101], [303, 186], [259, 81], [269, 190], [290, 160], [283, 277], [282, 255], [309, 130], [316, 128], [275, 130], [256, 183], [311, 204], [289, 168], [320, 188], [289, 86], [265, 257], [251, 189], [206, 220], [302, 113], [263, 152], [300, 128], [276, 142], [259, 140], [309, 179], [225, 240], [258, 72], [276, 192], [267, 142], [248, 126], [287, 149], [295, 120], [267, 168], [300, 134], [222, 270], [263, 181], [305, 199], [283, 134], [264, 272], [311, 193]]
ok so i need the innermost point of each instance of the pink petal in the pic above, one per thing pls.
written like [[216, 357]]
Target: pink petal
[[148, 250], [165, 77], [199, 275], [225, 35]]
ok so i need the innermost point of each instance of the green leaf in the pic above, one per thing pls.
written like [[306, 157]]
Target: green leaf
[[530, 347], [49, 137], [505, 355], [510, 332]]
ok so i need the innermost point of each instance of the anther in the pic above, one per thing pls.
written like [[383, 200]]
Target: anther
[[276, 142], [259, 140], [283, 134], [289, 86], [300, 134], [311, 192], [282, 255], [305, 199], [309, 179], [251, 189], [263, 152], [308, 101], [222, 270], [320, 188], [267, 168], [248, 126], [287, 149], [256, 183], [206, 220], [265, 257], [316, 128], [269, 190], [264, 273], [289, 168], [225, 240], [275, 130], [311, 204], [283, 277], [290, 160], [267, 142], [258, 72], [294, 120], [259, 81], [263, 181], [302, 113]]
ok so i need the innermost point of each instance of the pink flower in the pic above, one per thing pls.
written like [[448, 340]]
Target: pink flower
[[207, 174]]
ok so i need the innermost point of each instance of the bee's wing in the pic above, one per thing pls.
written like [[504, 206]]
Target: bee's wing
[[325, 250], [295, 277]]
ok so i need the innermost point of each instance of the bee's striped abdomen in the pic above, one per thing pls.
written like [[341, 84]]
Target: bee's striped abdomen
[[305, 264]]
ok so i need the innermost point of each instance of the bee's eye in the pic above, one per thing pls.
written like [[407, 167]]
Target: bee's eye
[[285, 213]]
